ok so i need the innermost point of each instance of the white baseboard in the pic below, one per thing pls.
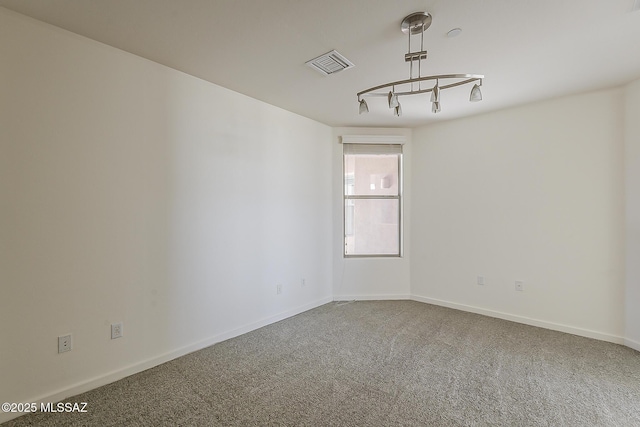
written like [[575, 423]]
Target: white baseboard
[[632, 344], [525, 320], [371, 297], [84, 386]]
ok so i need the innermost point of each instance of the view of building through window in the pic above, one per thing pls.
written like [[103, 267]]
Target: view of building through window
[[372, 200]]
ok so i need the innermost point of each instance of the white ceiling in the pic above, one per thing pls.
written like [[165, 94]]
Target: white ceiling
[[528, 50]]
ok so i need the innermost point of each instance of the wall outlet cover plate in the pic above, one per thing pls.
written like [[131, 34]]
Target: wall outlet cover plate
[[116, 330], [64, 343]]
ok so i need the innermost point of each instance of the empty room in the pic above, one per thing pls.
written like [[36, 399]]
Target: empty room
[[309, 213]]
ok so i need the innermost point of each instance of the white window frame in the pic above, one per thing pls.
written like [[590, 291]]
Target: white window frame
[[385, 144]]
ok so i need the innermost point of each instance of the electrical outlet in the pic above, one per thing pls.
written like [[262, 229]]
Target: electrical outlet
[[481, 280], [303, 283], [519, 286], [64, 343], [116, 330], [279, 289]]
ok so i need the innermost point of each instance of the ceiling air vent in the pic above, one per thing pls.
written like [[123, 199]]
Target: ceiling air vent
[[330, 63]]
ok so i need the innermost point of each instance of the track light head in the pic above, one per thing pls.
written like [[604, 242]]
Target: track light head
[[397, 111], [476, 93], [435, 93], [364, 108], [393, 100]]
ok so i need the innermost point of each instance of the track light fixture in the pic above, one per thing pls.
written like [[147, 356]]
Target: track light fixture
[[416, 24]]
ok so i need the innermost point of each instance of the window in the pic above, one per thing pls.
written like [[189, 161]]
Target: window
[[372, 200]]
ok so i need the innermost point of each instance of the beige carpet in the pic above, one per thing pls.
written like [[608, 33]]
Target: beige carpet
[[378, 363]]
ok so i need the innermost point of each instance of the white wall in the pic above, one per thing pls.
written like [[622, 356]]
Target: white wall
[[370, 278], [132, 192], [533, 193], [632, 221]]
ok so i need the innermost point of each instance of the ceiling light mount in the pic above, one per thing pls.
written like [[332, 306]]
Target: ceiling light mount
[[416, 23], [412, 25]]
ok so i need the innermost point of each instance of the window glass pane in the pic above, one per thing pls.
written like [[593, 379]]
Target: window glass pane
[[371, 174], [373, 224]]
